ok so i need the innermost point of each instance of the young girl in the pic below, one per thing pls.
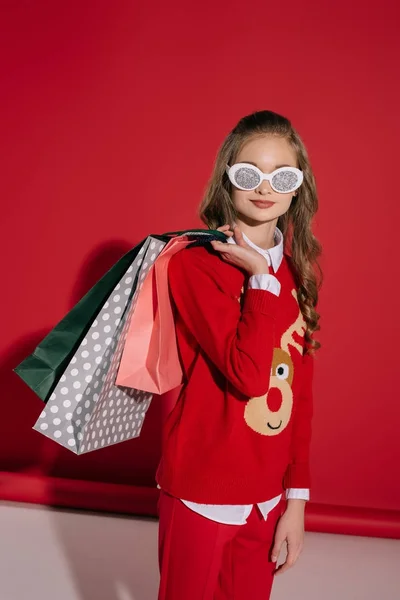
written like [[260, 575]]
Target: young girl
[[239, 434]]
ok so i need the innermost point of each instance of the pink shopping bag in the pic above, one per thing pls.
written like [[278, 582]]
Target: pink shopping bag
[[150, 359]]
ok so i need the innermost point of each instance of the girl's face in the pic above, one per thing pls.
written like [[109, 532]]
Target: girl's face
[[267, 153]]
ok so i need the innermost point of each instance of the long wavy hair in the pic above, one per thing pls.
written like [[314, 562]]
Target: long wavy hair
[[301, 246]]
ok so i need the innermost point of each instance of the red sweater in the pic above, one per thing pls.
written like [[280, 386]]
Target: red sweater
[[240, 430]]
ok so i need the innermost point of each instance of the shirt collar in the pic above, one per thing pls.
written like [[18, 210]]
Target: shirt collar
[[274, 255]]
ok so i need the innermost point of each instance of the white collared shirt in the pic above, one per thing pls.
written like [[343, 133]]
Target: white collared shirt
[[236, 514]]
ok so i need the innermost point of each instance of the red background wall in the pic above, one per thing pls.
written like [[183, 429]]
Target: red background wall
[[112, 115]]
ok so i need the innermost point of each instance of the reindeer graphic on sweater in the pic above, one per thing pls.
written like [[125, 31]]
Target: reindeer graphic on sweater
[[269, 414]]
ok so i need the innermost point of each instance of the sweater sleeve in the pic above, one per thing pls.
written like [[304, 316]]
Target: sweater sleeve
[[298, 472], [238, 341]]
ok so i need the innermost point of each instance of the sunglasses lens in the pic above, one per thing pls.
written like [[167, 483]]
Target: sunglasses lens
[[285, 181], [247, 178]]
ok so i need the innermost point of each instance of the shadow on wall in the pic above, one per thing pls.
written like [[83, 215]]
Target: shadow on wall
[[27, 451]]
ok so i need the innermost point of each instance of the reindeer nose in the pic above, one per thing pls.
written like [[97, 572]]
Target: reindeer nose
[[274, 399]]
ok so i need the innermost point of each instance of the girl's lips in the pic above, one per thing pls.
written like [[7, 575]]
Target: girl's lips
[[262, 204]]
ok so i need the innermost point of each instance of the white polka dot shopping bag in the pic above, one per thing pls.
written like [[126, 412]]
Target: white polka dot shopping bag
[[87, 409]]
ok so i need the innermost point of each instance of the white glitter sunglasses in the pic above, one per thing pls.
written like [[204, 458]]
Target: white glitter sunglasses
[[247, 177]]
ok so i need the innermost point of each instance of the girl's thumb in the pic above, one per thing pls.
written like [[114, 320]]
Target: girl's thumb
[[276, 551]]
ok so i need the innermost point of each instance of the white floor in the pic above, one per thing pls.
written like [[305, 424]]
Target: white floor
[[49, 554]]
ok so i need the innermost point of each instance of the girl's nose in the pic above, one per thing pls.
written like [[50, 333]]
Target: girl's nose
[[264, 187]]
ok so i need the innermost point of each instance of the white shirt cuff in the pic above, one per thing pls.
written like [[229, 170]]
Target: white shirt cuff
[[265, 281], [298, 493]]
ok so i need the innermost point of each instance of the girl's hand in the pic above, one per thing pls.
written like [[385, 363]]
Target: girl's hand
[[290, 529], [240, 254]]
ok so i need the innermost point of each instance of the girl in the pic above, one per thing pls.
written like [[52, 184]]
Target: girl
[[239, 434]]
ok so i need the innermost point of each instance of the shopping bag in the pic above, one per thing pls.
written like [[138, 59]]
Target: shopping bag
[[150, 359], [86, 409]]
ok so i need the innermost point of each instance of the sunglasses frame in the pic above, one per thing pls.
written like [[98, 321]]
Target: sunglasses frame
[[230, 171]]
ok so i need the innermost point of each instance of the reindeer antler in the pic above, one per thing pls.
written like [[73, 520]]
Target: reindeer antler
[[299, 326]]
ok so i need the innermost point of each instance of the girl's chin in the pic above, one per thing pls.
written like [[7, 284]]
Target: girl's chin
[[256, 216]]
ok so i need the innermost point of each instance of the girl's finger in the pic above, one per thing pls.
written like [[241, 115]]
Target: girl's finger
[[289, 562], [225, 229], [239, 237], [276, 549], [217, 245]]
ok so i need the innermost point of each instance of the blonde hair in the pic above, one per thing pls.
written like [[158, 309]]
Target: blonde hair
[[301, 246]]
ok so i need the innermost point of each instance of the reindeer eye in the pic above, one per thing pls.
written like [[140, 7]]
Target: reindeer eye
[[282, 371]]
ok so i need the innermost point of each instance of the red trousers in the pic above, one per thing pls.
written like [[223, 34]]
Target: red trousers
[[200, 559]]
